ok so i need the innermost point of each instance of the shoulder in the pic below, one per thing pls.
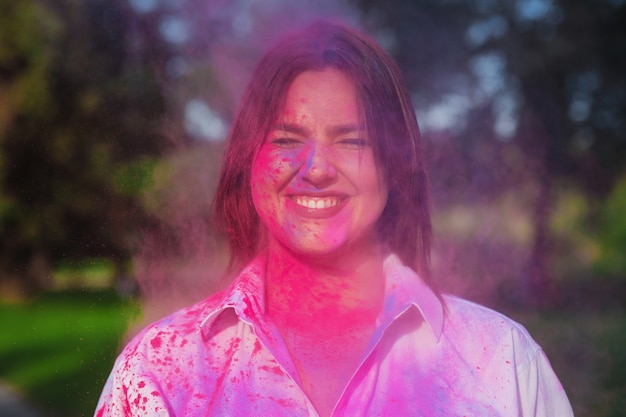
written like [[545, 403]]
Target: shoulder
[[498, 361], [152, 366], [468, 313], [475, 329], [173, 332]]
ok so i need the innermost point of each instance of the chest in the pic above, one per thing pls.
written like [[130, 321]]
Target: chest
[[325, 365]]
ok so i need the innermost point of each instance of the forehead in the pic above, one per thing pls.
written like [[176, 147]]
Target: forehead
[[327, 94]]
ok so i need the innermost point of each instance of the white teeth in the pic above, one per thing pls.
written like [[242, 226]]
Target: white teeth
[[317, 202]]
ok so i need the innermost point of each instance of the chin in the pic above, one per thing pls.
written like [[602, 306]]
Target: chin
[[313, 250], [325, 249]]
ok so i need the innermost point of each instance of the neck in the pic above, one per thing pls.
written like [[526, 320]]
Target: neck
[[326, 294]]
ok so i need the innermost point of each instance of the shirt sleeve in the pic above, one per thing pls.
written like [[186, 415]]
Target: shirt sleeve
[[541, 393]]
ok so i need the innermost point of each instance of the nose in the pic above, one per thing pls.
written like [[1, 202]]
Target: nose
[[318, 168]]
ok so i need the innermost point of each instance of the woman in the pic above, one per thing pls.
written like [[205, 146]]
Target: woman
[[323, 197]]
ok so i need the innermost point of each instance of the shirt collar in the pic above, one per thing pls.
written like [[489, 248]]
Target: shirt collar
[[403, 288], [246, 294]]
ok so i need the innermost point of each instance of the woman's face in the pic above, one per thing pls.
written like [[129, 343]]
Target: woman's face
[[315, 185]]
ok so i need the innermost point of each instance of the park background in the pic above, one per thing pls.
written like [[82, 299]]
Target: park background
[[113, 115]]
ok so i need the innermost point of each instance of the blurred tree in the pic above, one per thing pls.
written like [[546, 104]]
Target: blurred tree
[[538, 79], [82, 108]]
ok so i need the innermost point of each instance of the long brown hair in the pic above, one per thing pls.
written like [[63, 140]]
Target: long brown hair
[[389, 118]]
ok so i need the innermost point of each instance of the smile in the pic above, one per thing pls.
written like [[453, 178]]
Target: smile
[[316, 203]]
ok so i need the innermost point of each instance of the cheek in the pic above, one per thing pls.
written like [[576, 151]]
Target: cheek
[[272, 169], [265, 172], [267, 178], [370, 177]]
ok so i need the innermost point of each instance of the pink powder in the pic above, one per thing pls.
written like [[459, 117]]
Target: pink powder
[[156, 342]]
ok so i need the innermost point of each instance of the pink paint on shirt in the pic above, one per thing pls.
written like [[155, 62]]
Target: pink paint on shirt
[[156, 342]]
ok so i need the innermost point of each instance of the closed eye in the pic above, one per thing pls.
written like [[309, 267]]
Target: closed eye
[[285, 142], [354, 143]]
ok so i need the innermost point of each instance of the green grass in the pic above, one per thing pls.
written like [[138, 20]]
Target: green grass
[[59, 348]]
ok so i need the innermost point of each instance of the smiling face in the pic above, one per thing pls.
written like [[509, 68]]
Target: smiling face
[[315, 185]]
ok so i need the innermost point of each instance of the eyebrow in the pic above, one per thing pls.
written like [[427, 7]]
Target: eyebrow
[[347, 128], [291, 128], [334, 130]]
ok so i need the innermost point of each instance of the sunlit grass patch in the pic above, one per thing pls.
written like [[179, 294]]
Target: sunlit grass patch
[[90, 273]]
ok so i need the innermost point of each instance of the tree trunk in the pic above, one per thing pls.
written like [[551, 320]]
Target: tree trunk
[[539, 132]]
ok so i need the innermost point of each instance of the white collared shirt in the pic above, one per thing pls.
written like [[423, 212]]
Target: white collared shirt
[[221, 357]]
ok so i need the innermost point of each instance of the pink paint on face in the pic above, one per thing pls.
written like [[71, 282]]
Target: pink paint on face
[[315, 185]]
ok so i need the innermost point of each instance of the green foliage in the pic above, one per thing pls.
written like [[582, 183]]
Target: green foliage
[[575, 246], [81, 134], [612, 233], [135, 178], [62, 347], [25, 55]]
